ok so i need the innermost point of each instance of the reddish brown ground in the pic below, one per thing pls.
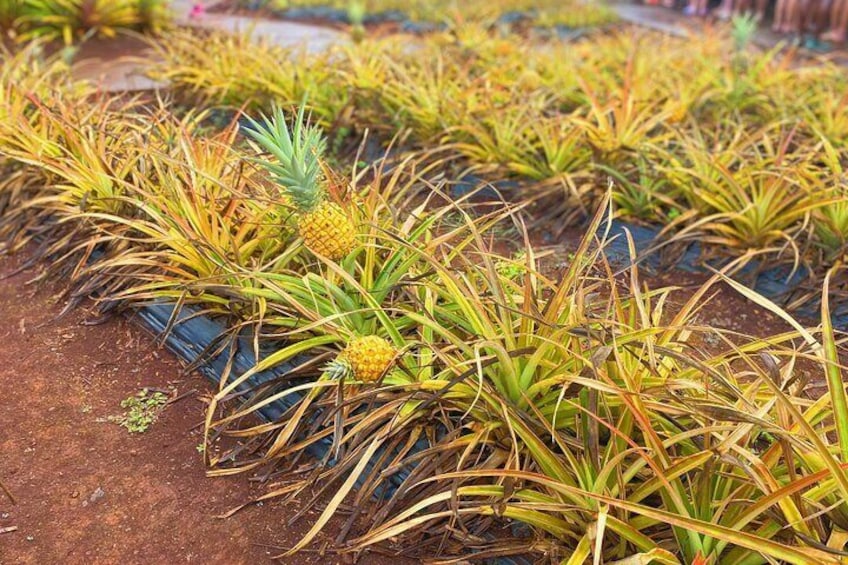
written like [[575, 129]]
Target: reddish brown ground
[[115, 65], [86, 490]]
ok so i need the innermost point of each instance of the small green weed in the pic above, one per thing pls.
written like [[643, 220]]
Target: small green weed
[[142, 410], [513, 269]]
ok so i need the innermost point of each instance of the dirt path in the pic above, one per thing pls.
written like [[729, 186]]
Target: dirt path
[[89, 492]]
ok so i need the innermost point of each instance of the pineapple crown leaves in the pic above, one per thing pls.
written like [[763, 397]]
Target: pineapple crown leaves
[[338, 368], [298, 151]]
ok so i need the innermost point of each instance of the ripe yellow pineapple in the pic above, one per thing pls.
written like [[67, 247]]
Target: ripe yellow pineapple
[[366, 358], [324, 226], [326, 230]]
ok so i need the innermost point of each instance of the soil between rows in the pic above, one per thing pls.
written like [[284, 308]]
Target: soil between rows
[[89, 492]]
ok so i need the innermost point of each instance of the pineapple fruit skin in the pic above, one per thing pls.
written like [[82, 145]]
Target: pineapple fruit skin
[[327, 231], [368, 357]]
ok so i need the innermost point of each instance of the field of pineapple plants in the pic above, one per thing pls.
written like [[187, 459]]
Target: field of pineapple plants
[[428, 15], [431, 250]]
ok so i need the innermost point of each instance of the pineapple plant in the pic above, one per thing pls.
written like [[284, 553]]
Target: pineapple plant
[[298, 151], [364, 358]]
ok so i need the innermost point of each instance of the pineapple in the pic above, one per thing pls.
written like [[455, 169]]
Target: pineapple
[[326, 230], [365, 358], [323, 225]]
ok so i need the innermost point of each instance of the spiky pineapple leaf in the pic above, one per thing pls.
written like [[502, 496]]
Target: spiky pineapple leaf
[[298, 151]]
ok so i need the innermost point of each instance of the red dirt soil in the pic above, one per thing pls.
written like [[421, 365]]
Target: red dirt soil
[[86, 490]]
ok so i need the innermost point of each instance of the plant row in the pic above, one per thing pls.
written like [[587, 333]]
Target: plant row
[[739, 149], [73, 19], [575, 416], [542, 13]]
